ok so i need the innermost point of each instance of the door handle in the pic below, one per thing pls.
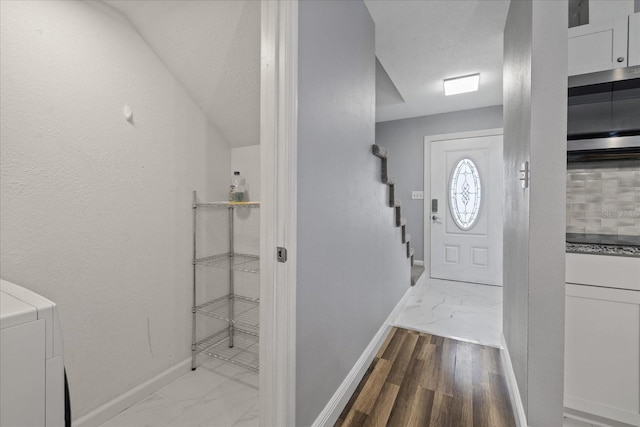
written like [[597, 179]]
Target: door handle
[[436, 218]]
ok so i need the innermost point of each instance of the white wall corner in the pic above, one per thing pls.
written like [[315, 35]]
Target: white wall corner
[[512, 385], [112, 408], [338, 401]]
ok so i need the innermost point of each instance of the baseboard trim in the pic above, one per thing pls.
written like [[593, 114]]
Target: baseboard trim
[[600, 413], [512, 385], [114, 407], [595, 420], [340, 398]]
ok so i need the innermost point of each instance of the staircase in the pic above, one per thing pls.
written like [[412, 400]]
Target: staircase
[[392, 202]]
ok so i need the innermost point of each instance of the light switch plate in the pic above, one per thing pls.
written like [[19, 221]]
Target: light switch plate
[[417, 195]]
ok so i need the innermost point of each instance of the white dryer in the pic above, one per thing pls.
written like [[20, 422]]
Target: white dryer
[[32, 378]]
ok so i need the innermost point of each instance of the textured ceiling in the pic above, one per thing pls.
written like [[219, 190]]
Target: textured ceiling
[[213, 49], [420, 43]]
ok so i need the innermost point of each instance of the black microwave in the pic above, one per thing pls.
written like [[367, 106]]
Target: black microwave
[[603, 115]]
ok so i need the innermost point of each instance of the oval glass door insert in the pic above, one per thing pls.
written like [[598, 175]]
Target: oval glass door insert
[[465, 194]]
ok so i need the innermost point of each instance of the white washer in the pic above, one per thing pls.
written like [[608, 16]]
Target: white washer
[[32, 388]]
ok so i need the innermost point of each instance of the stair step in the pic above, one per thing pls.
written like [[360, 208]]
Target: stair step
[[384, 177], [383, 154], [392, 194], [379, 151]]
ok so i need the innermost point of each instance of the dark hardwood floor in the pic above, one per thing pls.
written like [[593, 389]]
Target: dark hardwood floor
[[418, 379]]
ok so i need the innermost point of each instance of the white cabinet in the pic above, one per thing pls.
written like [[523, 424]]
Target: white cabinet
[[602, 337], [599, 46], [603, 270], [602, 352]]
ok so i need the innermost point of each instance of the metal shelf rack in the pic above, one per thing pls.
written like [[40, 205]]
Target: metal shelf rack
[[246, 312], [244, 352], [237, 343], [232, 261]]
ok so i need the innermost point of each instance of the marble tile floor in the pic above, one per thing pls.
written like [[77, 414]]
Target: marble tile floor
[[216, 394], [464, 311]]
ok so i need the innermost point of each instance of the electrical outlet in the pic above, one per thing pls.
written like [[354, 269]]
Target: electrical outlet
[[417, 195]]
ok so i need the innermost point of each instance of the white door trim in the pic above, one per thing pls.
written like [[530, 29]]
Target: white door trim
[[278, 158], [427, 181]]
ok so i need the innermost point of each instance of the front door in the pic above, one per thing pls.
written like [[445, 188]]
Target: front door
[[466, 209]]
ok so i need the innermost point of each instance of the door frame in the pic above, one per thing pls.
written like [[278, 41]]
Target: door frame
[[278, 220], [427, 182]]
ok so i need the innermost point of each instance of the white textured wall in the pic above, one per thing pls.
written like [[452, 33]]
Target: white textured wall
[[191, 37], [351, 265], [96, 212]]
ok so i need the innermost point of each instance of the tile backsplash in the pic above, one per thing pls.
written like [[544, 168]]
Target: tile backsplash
[[603, 197]]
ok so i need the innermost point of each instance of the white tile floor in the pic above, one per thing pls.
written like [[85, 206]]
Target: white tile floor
[[216, 394], [464, 311]]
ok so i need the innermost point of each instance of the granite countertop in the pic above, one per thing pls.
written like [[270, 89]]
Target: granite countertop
[[603, 244], [600, 249]]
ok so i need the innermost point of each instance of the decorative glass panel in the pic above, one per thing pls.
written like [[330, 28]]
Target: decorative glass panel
[[465, 194]]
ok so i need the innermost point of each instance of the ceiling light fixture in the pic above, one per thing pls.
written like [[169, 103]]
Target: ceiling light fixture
[[461, 84]]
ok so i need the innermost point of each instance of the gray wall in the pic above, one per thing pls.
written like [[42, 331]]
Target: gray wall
[[535, 88], [404, 139], [352, 268]]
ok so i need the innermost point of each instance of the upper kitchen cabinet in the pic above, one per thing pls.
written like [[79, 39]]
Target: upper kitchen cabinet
[[599, 46], [603, 35]]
